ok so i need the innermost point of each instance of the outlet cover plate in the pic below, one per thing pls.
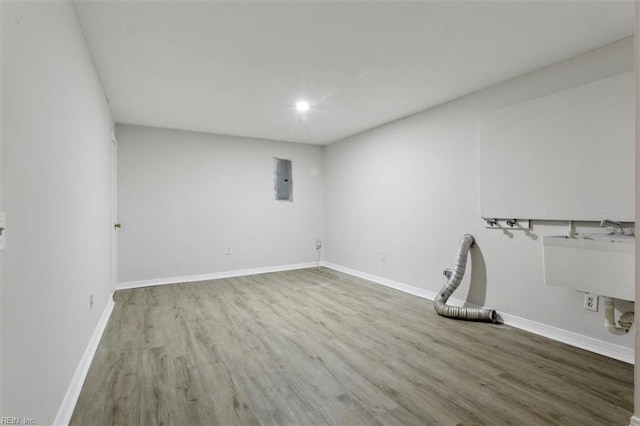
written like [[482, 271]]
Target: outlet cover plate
[[3, 231], [591, 302]]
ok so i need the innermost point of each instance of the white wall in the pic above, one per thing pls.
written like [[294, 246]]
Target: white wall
[[635, 420], [410, 188], [56, 194], [184, 196], [1, 197]]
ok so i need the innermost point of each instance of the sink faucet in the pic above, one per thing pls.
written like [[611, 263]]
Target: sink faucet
[[616, 225]]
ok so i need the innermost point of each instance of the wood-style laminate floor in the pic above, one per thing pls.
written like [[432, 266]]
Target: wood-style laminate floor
[[315, 346]]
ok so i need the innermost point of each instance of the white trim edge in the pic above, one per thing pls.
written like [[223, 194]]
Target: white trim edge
[[581, 341], [634, 421], [416, 291], [213, 276], [73, 391], [610, 350]]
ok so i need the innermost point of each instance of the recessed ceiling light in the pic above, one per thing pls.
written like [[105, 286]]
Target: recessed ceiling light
[[302, 106]]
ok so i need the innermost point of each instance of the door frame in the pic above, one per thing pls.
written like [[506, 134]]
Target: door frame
[[114, 210]]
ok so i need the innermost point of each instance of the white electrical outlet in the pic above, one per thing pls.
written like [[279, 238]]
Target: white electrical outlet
[[90, 301], [591, 302], [227, 250], [3, 231], [382, 255], [318, 244]]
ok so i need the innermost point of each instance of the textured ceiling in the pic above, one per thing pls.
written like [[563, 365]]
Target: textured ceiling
[[238, 68]]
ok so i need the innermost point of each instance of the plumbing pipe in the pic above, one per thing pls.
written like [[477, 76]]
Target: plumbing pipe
[[459, 312], [616, 227], [625, 322], [571, 233]]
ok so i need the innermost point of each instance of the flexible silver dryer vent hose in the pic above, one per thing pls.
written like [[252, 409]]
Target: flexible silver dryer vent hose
[[459, 312]]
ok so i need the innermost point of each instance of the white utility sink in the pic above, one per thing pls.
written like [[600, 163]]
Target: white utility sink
[[594, 263]]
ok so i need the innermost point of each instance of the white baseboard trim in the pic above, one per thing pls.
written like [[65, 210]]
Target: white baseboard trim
[[581, 341], [213, 276], [73, 391], [416, 291], [634, 421], [610, 350]]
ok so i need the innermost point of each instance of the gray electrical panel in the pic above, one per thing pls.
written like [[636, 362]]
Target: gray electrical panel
[[283, 179]]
